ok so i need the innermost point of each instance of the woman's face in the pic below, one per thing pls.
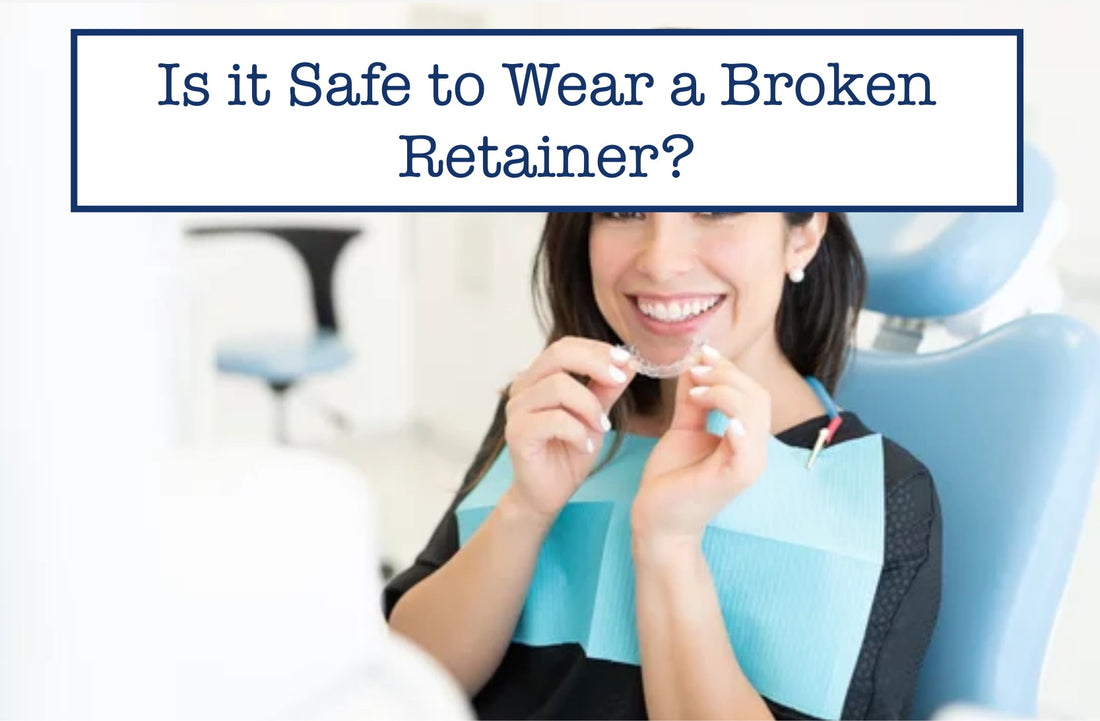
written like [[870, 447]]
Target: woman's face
[[662, 280]]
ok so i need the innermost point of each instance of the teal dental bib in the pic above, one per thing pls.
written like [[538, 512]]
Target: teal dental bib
[[795, 559]]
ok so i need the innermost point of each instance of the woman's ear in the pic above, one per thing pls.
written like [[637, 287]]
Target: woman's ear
[[804, 241]]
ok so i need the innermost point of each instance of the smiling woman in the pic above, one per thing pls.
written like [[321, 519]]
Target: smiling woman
[[614, 553], [520, 161]]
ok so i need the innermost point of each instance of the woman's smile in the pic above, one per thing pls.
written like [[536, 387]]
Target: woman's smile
[[683, 314]]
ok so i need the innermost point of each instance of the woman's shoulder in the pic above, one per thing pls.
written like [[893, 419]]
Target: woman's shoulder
[[902, 470], [907, 599], [912, 517]]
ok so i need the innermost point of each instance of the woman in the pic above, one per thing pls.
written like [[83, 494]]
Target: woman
[[775, 296]]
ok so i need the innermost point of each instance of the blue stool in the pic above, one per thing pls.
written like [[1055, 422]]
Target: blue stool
[[1009, 425], [282, 362]]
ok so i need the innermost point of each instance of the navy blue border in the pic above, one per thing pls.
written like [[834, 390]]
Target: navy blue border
[[1018, 207], [73, 207]]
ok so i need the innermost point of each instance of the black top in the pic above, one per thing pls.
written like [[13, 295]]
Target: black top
[[560, 681]]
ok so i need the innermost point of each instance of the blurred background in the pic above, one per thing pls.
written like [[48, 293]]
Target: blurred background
[[113, 328]]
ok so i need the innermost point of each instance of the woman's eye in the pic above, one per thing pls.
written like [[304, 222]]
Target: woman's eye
[[718, 216], [622, 216]]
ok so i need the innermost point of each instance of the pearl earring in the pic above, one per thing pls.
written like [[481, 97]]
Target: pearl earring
[[797, 275]]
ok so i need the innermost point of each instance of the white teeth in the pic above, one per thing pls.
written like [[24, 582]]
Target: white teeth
[[675, 311]]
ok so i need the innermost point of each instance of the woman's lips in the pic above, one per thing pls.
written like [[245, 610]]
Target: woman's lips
[[674, 309]]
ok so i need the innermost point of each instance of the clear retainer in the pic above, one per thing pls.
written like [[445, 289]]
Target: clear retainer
[[669, 370]]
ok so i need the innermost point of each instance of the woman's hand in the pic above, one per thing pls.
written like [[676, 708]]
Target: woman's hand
[[691, 473], [555, 424]]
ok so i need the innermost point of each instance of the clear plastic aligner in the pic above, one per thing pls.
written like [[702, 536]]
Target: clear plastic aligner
[[669, 370]]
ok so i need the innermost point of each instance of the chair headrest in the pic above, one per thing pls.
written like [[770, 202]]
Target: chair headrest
[[963, 264]]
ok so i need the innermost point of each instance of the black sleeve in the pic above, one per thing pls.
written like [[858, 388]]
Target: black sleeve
[[907, 600], [444, 541], [441, 546]]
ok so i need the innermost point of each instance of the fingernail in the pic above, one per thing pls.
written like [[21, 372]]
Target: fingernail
[[701, 370], [736, 428], [711, 353], [616, 374], [698, 391], [605, 422], [619, 355], [590, 446]]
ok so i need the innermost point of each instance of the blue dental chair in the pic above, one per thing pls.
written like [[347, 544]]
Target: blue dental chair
[[1009, 425]]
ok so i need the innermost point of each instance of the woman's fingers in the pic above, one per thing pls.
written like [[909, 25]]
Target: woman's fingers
[[547, 425], [718, 384], [607, 394], [709, 369], [730, 401], [606, 365], [715, 369], [561, 390]]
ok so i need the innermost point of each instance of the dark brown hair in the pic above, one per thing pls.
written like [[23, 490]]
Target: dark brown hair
[[815, 324]]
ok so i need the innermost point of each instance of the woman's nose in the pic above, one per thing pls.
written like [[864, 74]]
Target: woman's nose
[[668, 249]]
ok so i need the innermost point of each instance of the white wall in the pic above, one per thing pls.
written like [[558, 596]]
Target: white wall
[[475, 323]]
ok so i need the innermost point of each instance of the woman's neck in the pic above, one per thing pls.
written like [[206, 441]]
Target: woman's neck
[[793, 400]]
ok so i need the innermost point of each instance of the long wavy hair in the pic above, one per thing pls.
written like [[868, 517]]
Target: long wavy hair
[[815, 325]]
